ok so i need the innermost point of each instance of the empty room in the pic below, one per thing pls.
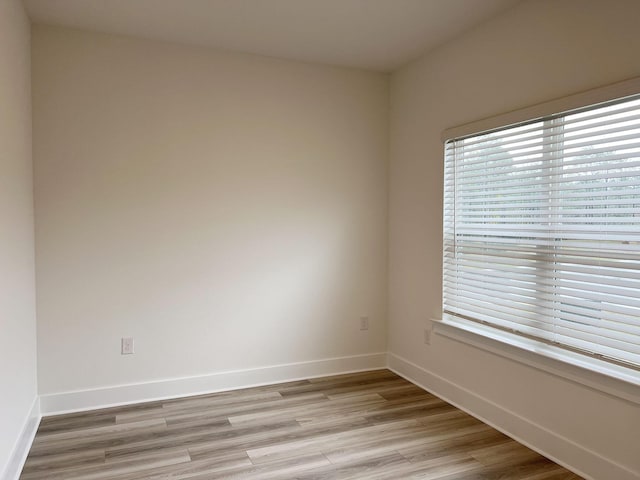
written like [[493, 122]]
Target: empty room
[[319, 239]]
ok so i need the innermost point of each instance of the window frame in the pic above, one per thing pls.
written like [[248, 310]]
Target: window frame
[[619, 380]]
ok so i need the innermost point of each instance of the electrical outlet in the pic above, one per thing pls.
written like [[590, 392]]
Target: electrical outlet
[[427, 336], [127, 346], [364, 323]]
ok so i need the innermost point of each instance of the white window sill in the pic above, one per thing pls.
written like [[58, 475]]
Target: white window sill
[[598, 374]]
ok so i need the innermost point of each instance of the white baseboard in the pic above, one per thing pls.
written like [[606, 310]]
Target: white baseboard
[[23, 443], [75, 401], [561, 450]]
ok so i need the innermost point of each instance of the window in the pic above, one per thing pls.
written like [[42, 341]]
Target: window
[[542, 229]]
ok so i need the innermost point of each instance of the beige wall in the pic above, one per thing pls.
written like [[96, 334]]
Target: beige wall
[[228, 211], [17, 287], [538, 51]]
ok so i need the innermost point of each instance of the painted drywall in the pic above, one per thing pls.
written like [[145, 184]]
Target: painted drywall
[[538, 51], [227, 211], [17, 282]]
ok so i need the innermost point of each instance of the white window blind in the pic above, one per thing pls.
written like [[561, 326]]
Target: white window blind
[[542, 229]]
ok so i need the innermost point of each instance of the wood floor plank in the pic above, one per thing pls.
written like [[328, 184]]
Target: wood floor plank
[[214, 465], [64, 460], [326, 441], [357, 469], [112, 430], [225, 413], [210, 440], [283, 469], [396, 441], [106, 440], [108, 470], [58, 425], [328, 407], [370, 425]]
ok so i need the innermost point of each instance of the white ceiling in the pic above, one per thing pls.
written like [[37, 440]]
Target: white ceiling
[[373, 34]]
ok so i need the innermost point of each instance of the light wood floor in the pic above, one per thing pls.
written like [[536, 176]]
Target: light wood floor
[[372, 425]]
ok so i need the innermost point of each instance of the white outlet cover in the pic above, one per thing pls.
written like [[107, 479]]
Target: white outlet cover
[[127, 346], [364, 323]]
